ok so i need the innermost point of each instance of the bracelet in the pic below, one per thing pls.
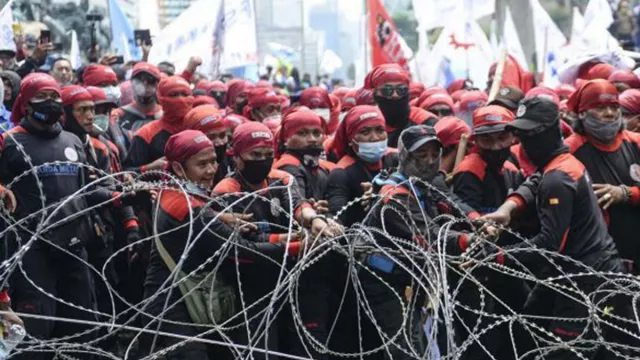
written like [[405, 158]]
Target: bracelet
[[626, 193]]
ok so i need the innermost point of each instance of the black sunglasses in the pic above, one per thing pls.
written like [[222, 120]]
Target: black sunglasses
[[388, 90]]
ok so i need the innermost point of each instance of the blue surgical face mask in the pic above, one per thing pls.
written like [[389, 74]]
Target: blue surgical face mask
[[372, 152]]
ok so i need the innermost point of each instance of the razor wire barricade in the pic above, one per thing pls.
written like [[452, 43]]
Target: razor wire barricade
[[429, 308]]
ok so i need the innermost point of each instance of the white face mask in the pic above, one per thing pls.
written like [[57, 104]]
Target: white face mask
[[112, 93], [101, 123], [324, 113]]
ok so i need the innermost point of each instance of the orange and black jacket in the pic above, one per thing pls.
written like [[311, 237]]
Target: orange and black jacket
[[483, 188], [610, 164], [312, 181], [406, 210], [521, 161], [571, 223], [147, 145], [344, 184], [270, 207], [187, 219], [56, 164]]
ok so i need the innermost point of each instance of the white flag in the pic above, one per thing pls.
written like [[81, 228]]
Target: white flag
[[240, 41], [512, 40], [595, 35], [551, 44], [6, 28], [431, 14], [148, 18], [74, 54]]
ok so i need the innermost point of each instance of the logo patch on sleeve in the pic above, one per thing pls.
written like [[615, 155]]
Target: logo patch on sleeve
[[554, 201]]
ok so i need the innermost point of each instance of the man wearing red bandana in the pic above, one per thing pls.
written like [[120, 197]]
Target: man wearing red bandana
[[264, 105], [147, 146], [236, 98], [56, 164], [218, 90], [390, 86], [192, 161], [608, 152], [253, 149], [319, 101], [630, 107]]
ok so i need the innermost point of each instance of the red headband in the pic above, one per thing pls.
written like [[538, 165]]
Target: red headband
[[30, 86], [627, 77], [357, 118], [74, 93], [96, 74], [415, 89], [205, 118], [297, 118], [450, 129], [386, 73], [144, 67], [543, 92], [365, 97], [592, 94], [437, 99], [600, 71], [183, 145], [236, 88], [565, 90], [630, 100], [430, 91], [251, 135], [472, 100], [200, 100], [314, 98], [172, 83], [217, 86]]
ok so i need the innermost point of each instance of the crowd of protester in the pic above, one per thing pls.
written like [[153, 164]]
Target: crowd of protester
[[556, 165]]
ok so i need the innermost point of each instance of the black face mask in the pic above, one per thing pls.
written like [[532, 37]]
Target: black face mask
[[146, 100], [309, 156], [256, 171], [47, 112], [543, 147], [221, 152], [395, 111], [495, 158], [219, 98]]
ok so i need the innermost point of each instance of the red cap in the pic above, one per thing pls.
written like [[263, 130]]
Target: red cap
[[472, 100], [357, 118], [384, 74], [415, 90], [96, 74], [251, 135], [205, 118], [592, 94], [315, 97], [450, 129], [217, 86], [630, 101], [72, 94], [565, 90], [183, 145], [29, 87], [626, 77], [349, 100], [365, 97], [204, 100], [430, 91], [145, 67], [543, 92], [437, 99], [233, 120], [97, 94], [490, 119], [600, 71]]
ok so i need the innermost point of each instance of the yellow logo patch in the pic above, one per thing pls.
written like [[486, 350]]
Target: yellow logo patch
[[554, 201]]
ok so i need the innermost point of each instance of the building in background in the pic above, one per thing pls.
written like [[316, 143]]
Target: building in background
[[168, 10]]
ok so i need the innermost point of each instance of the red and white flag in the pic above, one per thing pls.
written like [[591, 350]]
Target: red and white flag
[[387, 46]]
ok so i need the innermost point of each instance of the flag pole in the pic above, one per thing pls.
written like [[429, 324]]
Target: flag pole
[[303, 55], [366, 37]]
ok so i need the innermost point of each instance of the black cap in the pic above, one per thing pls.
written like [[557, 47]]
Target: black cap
[[534, 114], [508, 97], [414, 137]]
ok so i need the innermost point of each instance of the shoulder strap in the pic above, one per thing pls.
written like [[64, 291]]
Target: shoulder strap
[[164, 254]]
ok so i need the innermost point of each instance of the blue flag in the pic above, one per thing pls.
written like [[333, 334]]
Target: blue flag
[[120, 30]]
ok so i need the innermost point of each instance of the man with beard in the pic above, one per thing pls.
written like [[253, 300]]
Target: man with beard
[[609, 152], [571, 224], [209, 120], [390, 86], [253, 149], [61, 71], [236, 98], [300, 141], [147, 146], [145, 108]]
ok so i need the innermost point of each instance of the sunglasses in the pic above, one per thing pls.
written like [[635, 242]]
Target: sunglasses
[[388, 90]]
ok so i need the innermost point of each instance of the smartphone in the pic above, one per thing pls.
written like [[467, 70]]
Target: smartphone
[[119, 60], [142, 37], [45, 36]]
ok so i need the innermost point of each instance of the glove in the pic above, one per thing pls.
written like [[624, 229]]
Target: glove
[[483, 250], [133, 235], [528, 190]]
